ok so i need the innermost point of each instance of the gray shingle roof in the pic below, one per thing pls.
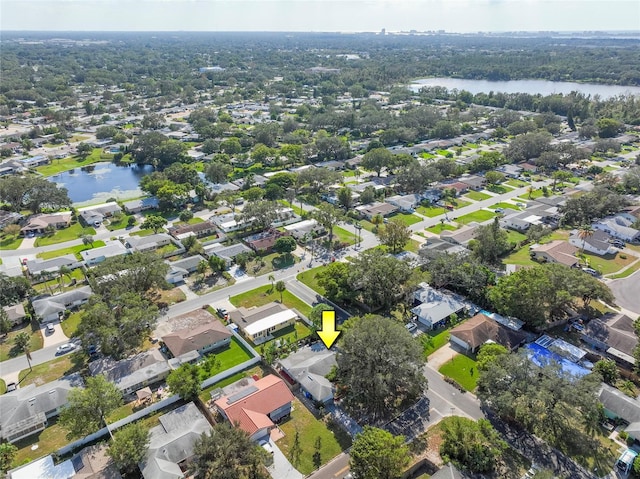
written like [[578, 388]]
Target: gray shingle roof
[[309, 367], [52, 304]]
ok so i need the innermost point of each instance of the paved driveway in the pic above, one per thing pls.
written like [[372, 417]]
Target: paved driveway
[[55, 338], [281, 467]]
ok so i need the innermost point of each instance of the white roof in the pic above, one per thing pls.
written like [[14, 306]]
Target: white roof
[[533, 219], [301, 225], [45, 469], [270, 321]]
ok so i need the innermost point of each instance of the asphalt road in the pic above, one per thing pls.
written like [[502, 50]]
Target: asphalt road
[[627, 292]]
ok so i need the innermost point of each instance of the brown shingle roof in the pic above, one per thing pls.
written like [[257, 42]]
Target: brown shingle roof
[[561, 251], [479, 329], [192, 339]]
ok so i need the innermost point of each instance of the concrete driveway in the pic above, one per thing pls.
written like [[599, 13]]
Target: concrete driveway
[[281, 467], [55, 338]]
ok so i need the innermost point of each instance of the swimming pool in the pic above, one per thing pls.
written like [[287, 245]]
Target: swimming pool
[[542, 356]]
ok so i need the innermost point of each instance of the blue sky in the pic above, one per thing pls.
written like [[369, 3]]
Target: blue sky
[[319, 15]]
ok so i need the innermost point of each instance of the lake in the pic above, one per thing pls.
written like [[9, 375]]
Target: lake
[[97, 182], [544, 87]]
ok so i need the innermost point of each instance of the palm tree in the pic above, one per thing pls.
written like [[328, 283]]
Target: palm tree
[[22, 342], [87, 240], [530, 190], [377, 220], [280, 288], [202, 268], [586, 231], [271, 278], [44, 277], [62, 272]]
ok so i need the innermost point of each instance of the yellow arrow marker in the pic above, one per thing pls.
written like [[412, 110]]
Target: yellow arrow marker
[[328, 333]]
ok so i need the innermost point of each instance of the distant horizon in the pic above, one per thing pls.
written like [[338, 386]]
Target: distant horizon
[[387, 32], [314, 16]]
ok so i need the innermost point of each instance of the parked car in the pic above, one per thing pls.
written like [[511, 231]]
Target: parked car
[[65, 348], [50, 329], [411, 327], [11, 387], [221, 312], [590, 271], [618, 243]]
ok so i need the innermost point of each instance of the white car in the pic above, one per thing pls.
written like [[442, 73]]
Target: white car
[[266, 446], [50, 329], [65, 348], [411, 327]]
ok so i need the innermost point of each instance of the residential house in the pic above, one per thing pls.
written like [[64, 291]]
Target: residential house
[[9, 217], [11, 167], [227, 253], [230, 222], [617, 405], [264, 241], [95, 215], [25, 411], [376, 208], [98, 255], [197, 229], [510, 171], [618, 227], [176, 275], [309, 228], [188, 265], [92, 462], [39, 223], [15, 313], [133, 373], [50, 308], [308, 367], [462, 235], [257, 408], [258, 323], [148, 243], [474, 182], [144, 204], [406, 203], [435, 306], [555, 252], [528, 167], [480, 329], [171, 443], [449, 472], [458, 186], [35, 161], [613, 334], [202, 339], [598, 242], [434, 247], [52, 265]]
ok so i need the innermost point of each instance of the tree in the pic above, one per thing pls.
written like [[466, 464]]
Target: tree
[[5, 324], [328, 216], [260, 214], [472, 445], [13, 290], [285, 245], [280, 288], [608, 369], [22, 342], [560, 175], [345, 197], [376, 160], [186, 215], [490, 243], [33, 193], [317, 179], [227, 452], [378, 454], [185, 382], [271, 278], [315, 316], [334, 279], [88, 407], [488, 353], [87, 240], [608, 127], [11, 230], [62, 272], [395, 235], [527, 146], [202, 268], [584, 233], [7, 454], [416, 177], [380, 366], [217, 172], [84, 150], [494, 177], [154, 222], [129, 446], [231, 146]]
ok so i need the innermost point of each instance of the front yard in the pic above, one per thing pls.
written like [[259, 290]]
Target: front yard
[[330, 438], [433, 340], [308, 278], [608, 264], [7, 347], [74, 250], [431, 211], [439, 228], [463, 370], [266, 294], [478, 216], [10, 242], [406, 218], [50, 371], [266, 264], [477, 196], [73, 232]]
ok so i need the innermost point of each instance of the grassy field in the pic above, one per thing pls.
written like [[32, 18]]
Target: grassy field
[[463, 370], [406, 218], [627, 272], [333, 440], [477, 196], [10, 242], [71, 162], [49, 371], [434, 340], [516, 183], [479, 216], [608, 264], [74, 250], [48, 441], [73, 232], [439, 228], [504, 206], [232, 356], [264, 295], [271, 262], [7, 350], [70, 324], [308, 277], [534, 194], [344, 236], [431, 211], [412, 245], [120, 224], [170, 296]]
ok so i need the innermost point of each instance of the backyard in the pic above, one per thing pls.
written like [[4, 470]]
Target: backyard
[[73, 232], [271, 262], [266, 294], [50, 371], [68, 282], [7, 349], [74, 250], [71, 162], [463, 370], [40, 444], [311, 432]]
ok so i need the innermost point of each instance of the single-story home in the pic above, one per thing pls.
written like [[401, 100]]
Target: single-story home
[[52, 265], [480, 329], [144, 204], [617, 405], [308, 367], [376, 208], [459, 187], [148, 243], [197, 229], [203, 339], [435, 306], [50, 308], [39, 223], [263, 241], [171, 442], [35, 161], [227, 253], [597, 243], [449, 472], [555, 252], [15, 313], [434, 247], [258, 323], [618, 228], [257, 408], [307, 227], [406, 203], [133, 373], [98, 255], [613, 334], [9, 218], [474, 182], [509, 170], [94, 215], [190, 263], [25, 411], [461, 235]]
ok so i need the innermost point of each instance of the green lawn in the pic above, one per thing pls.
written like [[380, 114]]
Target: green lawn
[[426, 156], [48, 441], [457, 203], [120, 224], [167, 249], [534, 194], [7, 350], [627, 272], [500, 189], [3, 387], [53, 285], [412, 245], [265, 294], [504, 206], [193, 221], [73, 232], [269, 263], [406, 218], [608, 264], [479, 216], [477, 195], [516, 183], [71, 162], [439, 228], [75, 250], [296, 209], [463, 370], [520, 257], [10, 242], [515, 236], [431, 211], [141, 233], [205, 394], [308, 277], [433, 340], [70, 324], [344, 236], [49, 371], [232, 356], [333, 439]]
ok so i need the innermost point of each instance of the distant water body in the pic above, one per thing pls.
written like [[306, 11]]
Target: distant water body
[[533, 87]]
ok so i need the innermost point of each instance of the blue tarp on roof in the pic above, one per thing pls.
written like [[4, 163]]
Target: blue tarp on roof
[[542, 356]]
